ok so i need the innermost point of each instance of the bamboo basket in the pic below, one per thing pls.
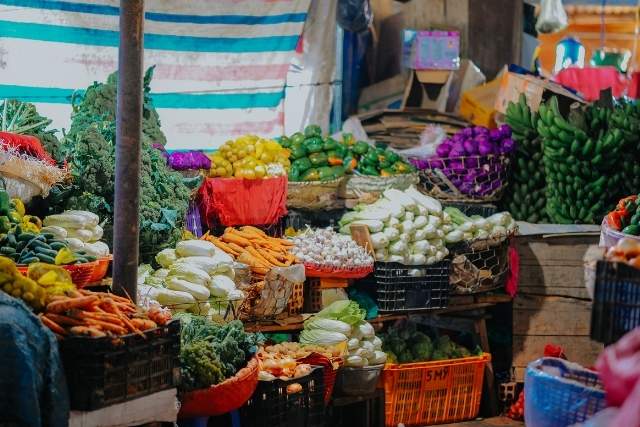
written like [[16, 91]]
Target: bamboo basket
[[314, 195], [367, 189]]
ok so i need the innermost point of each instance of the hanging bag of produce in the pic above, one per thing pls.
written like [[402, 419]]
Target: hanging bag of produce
[[552, 17]]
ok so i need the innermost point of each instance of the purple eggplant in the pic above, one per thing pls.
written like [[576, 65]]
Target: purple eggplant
[[505, 130], [485, 147], [466, 133], [480, 130], [457, 166], [495, 135], [435, 163], [470, 147], [444, 148], [507, 146]]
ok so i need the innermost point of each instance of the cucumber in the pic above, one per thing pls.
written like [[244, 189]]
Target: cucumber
[[7, 250], [11, 240], [25, 237], [90, 258], [20, 246], [29, 260], [57, 245], [48, 236], [39, 244], [45, 258], [47, 252], [81, 260]]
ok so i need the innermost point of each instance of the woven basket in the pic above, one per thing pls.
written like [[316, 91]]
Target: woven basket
[[315, 195], [221, 398], [367, 189]]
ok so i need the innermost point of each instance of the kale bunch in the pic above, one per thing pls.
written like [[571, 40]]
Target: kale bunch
[[90, 150]]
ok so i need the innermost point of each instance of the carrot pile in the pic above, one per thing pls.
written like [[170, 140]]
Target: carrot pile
[[252, 246], [95, 314]]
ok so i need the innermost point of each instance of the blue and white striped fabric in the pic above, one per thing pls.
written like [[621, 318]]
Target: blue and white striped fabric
[[220, 64]]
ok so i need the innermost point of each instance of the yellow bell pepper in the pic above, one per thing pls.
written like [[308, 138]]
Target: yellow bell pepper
[[19, 206]]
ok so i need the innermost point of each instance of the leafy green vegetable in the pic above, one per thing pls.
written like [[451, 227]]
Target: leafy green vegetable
[[344, 310], [201, 367], [90, 149]]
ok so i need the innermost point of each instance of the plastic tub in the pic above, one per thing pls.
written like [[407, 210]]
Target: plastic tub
[[358, 381]]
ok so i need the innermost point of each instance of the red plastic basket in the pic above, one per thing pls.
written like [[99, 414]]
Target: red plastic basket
[[330, 371], [81, 274], [101, 270], [331, 273], [221, 398]]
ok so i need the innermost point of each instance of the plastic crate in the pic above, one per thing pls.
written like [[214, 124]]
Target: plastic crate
[[272, 406], [482, 209], [418, 394], [558, 393], [616, 301], [296, 302], [402, 288], [479, 266], [104, 371]]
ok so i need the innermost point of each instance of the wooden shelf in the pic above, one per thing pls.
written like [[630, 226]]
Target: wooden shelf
[[458, 303]]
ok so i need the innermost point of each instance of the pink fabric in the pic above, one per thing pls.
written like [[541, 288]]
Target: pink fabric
[[511, 287], [589, 81], [619, 369]]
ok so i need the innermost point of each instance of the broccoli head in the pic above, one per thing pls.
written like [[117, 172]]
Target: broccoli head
[[405, 356], [422, 349]]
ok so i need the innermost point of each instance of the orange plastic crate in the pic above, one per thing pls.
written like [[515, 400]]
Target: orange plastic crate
[[445, 391]]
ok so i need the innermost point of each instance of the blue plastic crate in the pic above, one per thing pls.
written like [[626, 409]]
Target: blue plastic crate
[[558, 393]]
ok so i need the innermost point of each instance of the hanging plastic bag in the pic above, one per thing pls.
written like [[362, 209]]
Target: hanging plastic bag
[[552, 17], [354, 15]]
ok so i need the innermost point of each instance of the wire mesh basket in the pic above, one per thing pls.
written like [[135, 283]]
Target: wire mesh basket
[[479, 266], [470, 209], [462, 179]]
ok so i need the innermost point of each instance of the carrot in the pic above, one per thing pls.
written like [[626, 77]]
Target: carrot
[[224, 246], [103, 317], [113, 308], [246, 258], [64, 320], [254, 230], [57, 298], [108, 326], [106, 295], [143, 324], [256, 253], [261, 271], [236, 248], [272, 259], [87, 330], [234, 238], [64, 305], [53, 325]]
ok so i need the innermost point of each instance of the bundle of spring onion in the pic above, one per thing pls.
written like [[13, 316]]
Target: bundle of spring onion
[[496, 227]]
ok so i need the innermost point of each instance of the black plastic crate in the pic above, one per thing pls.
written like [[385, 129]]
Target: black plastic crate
[[109, 370], [486, 259], [616, 301], [469, 209], [412, 287], [300, 218], [272, 406]]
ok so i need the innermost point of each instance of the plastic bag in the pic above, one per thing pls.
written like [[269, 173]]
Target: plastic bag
[[552, 18], [619, 368], [354, 15]]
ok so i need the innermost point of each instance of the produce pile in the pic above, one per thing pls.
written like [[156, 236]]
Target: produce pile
[[326, 250], [97, 314], [626, 251], [80, 229], [250, 157], [89, 147], [193, 275], [253, 247], [409, 345], [12, 214], [406, 227], [284, 360], [315, 158], [189, 160], [211, 353], [583, 162], [43, 281], [526, 194], [496, 227], [473, 160], [625, 217]]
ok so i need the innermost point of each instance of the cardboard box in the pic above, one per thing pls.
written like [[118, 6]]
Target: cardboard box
[[478, 104], [536, 90], [431, 50], [428, 89]]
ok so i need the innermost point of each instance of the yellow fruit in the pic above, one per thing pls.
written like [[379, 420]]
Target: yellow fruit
[[28, 296], [8, 287], [16, 293]]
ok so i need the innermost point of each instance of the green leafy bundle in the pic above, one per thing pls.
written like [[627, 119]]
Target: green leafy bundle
[[90, 150]]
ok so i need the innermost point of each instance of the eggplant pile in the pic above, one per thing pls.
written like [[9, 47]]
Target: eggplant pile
[[582, 157], [525, 197]]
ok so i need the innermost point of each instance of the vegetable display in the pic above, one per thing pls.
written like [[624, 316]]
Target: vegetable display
[[526, 194], [193, 275], [89, 147], [210, 352], [317, 158], [80, 229], [283, 360], [582, 159], [407, 227], [251, 246], [324, 249], [497, 227], [408, 345], [249, 157], [473, 160], [364, 347], [12, 214], [626, 216], [95, 314], [333, 324], [189, 160], [626, 251]]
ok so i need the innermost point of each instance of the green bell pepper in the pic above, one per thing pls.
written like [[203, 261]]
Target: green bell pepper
[[391, 156], [294, 173], [349, 163], [368, 170], [5, 203], [402, 167], [632, 229], [348, 139], [371, 158], [284, 141], [312, 130], [311, 175], [360, 147], [5, 224], [338, 171], [341, 151], [318, 159], [330, 144], [297, 138], [298, 151], [314, 144], [302, 164], [325, 173]]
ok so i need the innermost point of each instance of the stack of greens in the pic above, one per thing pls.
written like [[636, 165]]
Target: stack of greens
[[583, 162], [525, 198], [90, 150], [210, 353]]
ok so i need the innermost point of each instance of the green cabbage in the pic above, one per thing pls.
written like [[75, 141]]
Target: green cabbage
[[344, 310]]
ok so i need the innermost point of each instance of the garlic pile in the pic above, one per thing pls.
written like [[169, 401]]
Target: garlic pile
[[326, 248]]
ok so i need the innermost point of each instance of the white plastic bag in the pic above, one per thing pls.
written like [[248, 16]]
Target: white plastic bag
[[552, 18]]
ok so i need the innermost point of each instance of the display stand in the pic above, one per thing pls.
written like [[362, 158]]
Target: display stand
[[157, 407]]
